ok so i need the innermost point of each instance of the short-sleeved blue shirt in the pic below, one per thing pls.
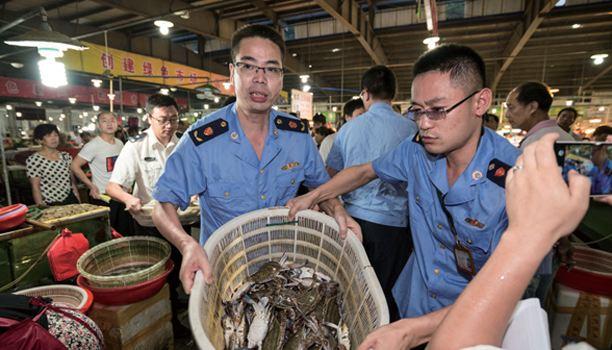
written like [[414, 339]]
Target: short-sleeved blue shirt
[[225, 172], [371, 135], [430, 280]]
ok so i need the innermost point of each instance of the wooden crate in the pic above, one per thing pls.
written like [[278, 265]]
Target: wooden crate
[[143, 325]]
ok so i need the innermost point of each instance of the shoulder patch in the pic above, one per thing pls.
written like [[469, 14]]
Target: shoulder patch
[[138, 137], [497, 172], [208, 131], [290, 124]]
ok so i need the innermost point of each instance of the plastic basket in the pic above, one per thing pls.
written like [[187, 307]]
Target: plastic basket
[[124, 261], [238, 248]]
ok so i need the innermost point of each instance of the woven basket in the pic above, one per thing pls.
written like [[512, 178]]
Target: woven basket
[[238, 248], [124, 261], [64, 295]]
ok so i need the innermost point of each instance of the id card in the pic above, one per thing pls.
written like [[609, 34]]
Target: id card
[[464, 260]]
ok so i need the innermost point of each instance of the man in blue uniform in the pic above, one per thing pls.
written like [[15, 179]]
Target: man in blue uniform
[[243, 157], [455, 171]]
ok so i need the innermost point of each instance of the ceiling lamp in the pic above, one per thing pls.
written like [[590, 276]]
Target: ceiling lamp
[[227, 85], [304, 78], [164, 91], [17, 65], [601, 109], [72, 100], [216, 99], [96, 108], [569, 103], [173, 89], [206, 106], [38, 103], [431, 42], [18, 114], [306, 87], [164, 26], [599, 58], [576, 25], [139, 110], [96, 82], [51, 45], [335, 49], [9, 107]]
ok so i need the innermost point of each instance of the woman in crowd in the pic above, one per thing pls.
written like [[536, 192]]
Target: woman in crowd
[[49, 170]]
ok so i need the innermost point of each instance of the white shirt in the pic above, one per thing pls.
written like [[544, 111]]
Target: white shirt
[[140, 164], [542, 128], [326, 146], [101, 157]]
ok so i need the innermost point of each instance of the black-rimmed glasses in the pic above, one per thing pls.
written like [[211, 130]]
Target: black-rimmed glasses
[[435, 113]]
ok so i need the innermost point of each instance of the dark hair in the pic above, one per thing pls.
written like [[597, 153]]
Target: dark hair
[[569, 109], [351, 105], [257, 31], [159, 100], [380, 82], [103, 113], [318, 118], [42, 130], [534, 91], [465, 65], [489, 117], [324, 131], [602, 132]]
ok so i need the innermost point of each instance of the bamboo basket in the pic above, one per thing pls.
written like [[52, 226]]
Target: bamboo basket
[[64, 295], [239, 248], [124, 261]]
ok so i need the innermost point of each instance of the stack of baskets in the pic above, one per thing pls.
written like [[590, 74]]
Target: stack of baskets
[[239, 248], [125, 270], [63, 295]]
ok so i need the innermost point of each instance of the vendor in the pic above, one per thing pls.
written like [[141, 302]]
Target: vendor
[[49, 170]]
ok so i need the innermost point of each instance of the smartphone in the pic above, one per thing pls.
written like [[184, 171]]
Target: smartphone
[[591, 159]]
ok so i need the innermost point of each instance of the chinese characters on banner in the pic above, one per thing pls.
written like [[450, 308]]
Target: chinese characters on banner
[[301, 102]]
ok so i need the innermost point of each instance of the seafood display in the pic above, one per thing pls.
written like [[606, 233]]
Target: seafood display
[[62, 211], [285, 306]]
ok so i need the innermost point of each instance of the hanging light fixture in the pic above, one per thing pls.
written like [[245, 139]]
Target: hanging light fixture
[[227, 85], [306, 87], [164, 26], [72, 100], [96, 82], [599, 58], [38, 103], [304, 78], [51, 45], [431, 42]]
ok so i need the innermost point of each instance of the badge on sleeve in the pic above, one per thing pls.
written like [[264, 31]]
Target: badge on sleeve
[[497, 172], [208, 131], [290, 124]]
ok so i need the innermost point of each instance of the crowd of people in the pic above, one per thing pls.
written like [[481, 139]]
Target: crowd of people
[[442, 203]]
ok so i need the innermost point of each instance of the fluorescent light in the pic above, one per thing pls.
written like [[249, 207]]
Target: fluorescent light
[[431, 42], [595, 121], [164, 91], [206, 106], [72, 100], [304, 78], [38, 103], [52, 73], [96, 82], [96, 108], [216, 99], [599, 58], [9, 107], [306, 87], [227, 85], [17, 65], [569, 103], [601, 108], [18, 114], [335, 49], [164, 26], [576, 25]]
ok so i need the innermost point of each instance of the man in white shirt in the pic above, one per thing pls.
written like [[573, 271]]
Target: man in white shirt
[[101, 153], [351, 110]]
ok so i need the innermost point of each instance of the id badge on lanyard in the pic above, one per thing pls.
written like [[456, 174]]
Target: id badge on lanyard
[[464, 259]]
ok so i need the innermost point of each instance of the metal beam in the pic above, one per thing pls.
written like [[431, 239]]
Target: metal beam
[[267, 11], [595, 78], [350, 15], [533, 17], [205, 23], [85, 13]]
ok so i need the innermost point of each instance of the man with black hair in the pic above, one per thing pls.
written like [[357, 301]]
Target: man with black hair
[[318, 120], [243, 157], [566, 118], [527, 109], [351, 110], [454, 171], [380, 208]]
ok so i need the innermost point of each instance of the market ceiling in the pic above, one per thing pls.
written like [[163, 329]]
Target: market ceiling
[[521, 40]]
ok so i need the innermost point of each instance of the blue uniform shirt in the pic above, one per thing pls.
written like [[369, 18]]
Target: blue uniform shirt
[[430, 280], [372, 134], [219, 164]]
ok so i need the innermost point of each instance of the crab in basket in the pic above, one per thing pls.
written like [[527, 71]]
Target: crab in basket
[[285, 306]]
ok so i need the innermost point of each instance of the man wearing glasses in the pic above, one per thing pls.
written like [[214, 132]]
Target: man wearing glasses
[[455, 171], [143, 159], [243, 157]]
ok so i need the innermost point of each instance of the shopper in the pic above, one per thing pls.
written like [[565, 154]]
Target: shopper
[[49, 170]]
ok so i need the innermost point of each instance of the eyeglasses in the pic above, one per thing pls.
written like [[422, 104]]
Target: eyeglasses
[[435, 113], [251, 69], [164, 122]]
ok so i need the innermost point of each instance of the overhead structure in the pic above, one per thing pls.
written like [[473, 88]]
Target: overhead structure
[[356, 21]]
